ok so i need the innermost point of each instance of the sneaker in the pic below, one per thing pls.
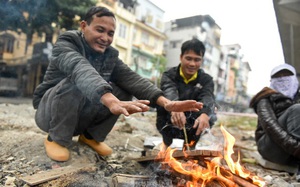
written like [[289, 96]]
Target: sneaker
[[55, 151], [100, 147]]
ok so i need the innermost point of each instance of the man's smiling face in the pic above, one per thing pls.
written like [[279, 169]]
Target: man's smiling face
[[99, 33], [190, 63]]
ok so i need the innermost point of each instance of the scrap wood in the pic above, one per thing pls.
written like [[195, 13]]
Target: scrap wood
[[45, 176], [238, 179], [153, 155], [119, 180]]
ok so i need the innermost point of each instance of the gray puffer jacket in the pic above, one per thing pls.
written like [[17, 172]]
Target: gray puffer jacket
[[91, 72]]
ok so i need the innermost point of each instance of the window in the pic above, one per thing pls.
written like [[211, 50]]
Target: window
[[109, 2], [145, 38], [175, 44], [122, 30], [134, 35], [149, 19], [159, 24], [7, 43], [208, 47]]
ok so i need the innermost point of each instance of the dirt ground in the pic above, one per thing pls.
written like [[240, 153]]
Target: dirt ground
[[22, 152]]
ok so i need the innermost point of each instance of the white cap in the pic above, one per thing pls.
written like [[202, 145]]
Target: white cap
[[281, 67]]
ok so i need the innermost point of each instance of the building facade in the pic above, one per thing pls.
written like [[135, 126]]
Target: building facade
[[145, 43], [17, 74], [232, 92], [139, 35], [148, 40]]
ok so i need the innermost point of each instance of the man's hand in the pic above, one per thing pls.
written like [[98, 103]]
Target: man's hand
[[118, 107], [201, 123], [178, 119], [129, 107], [182, 106]]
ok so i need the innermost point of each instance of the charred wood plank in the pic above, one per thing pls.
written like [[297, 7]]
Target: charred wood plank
[[154, 155]]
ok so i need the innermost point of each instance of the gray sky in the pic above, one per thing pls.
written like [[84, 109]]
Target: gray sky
[[250, 23]]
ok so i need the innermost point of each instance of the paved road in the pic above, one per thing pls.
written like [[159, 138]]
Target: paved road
[[15, 100], [28, 100], [238, 114]]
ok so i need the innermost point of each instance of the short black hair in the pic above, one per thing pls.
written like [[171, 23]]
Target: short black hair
[[195, 45], [99, 11]]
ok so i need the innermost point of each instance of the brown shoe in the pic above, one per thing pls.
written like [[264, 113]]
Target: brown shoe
[[100, 147], [56, 152]]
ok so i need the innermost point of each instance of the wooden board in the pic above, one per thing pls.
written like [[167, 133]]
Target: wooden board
[[153, 155], [45, 176]]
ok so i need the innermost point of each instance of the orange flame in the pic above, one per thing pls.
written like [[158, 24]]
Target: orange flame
[[200, 176], [236, 167]]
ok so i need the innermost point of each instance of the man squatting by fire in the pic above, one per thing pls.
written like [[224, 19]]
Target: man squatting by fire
[[187, 81], [86, 87]]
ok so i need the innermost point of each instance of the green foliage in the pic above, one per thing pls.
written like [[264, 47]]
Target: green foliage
[[159, 62], [242, 122], [31, 16]]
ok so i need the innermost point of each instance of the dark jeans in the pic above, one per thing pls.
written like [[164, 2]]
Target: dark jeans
[[289, 121], [64, 112]]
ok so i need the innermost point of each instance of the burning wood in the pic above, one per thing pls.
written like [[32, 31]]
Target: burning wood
[[234, 180], [179, 180], [235, 175]]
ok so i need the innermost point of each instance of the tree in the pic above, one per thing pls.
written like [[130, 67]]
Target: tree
[[30, 16], [159, 64]]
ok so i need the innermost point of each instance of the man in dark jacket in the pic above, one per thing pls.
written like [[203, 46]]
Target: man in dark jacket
[[278, 132], [187, 81], [86, 87]]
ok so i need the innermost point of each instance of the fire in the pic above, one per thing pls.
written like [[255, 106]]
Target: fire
[[214, 171]]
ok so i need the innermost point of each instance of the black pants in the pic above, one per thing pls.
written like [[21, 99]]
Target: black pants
[[270, 150], [65, 112], [169, 131]]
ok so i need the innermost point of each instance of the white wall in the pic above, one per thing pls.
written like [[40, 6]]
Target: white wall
[[146, 9]]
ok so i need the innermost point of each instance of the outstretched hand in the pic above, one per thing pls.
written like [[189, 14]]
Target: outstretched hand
[[118, 107], [129, 107], [182, 106]]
